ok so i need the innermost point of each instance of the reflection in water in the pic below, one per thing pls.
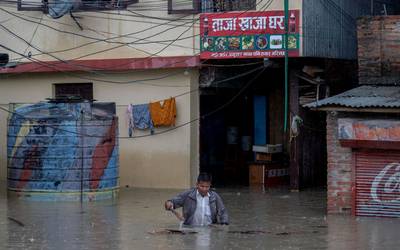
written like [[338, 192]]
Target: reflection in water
[[270, 219], [57, 225], [203, 241]]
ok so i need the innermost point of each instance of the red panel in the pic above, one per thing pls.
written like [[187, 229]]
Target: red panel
[[246, 23], [370, 144], [104, 148], [378, 183], [106, 64], [253, 34]]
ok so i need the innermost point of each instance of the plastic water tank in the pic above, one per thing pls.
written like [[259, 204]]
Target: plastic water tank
[[63, 151]]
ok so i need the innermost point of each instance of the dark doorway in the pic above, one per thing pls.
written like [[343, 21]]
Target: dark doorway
[[229, 115]]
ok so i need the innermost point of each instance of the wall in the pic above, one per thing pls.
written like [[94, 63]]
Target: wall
[[329, 27], [339, 169], [379, 50], [160, 161], [147, 31]]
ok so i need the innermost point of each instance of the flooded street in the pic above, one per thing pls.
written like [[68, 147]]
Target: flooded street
[[276, 219]]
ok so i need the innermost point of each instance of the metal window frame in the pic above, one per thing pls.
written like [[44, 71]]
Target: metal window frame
[[75, 85], [195, 10], [20, 7]]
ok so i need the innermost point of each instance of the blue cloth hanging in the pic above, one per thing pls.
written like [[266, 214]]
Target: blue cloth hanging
[[141, 118]]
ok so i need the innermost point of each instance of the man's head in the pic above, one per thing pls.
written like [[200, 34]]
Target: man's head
[[203, 183]]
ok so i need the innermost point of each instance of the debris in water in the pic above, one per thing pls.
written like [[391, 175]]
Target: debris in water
[[172, 231], [248, 232], [16, 221], [283, 233], [321, 226]]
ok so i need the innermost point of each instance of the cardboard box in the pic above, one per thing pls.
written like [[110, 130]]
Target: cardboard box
[[263, 157], [256, 174]]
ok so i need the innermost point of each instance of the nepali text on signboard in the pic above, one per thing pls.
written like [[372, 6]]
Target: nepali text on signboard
[[248, 34]]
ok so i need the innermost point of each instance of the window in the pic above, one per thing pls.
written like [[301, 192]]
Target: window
[[208, 6], [70, 90], [227, 5], [183, 6]]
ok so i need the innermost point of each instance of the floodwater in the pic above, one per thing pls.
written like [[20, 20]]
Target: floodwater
[[260, 219]]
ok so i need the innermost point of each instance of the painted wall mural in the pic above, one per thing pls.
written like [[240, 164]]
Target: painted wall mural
[[63, 147]]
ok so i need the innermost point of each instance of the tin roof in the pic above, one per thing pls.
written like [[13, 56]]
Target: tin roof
[[367, 96]]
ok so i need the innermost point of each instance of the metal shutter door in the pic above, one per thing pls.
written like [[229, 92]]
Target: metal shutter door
[[378, 184]]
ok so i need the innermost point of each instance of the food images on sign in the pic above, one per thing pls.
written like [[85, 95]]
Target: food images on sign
[[262, 42], [292, 42], [233, 43], [208, 43], [247, 42], [275, 42], [220, 43]]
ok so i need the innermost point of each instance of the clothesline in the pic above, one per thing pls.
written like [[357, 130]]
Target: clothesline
[[151, 115], [188, 92]]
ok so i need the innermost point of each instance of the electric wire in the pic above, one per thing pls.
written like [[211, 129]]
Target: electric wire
[[266, 4], [132, 81], [251, 81], [102, 40], [79, 66]]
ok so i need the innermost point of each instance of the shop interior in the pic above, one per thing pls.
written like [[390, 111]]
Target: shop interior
[[236, 114]]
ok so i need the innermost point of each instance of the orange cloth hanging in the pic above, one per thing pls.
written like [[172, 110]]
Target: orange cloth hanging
[[165, 114]]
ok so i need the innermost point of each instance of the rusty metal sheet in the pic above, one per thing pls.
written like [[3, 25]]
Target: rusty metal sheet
[[363, 97]]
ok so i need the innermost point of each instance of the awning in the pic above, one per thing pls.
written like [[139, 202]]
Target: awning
[[366, 96]]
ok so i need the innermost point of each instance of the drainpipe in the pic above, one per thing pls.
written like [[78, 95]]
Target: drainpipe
[[286, 8]]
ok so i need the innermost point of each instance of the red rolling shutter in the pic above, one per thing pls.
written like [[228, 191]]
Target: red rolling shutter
[[378, 183]]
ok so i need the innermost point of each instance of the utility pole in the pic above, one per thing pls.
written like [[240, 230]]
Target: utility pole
[[286, 9]]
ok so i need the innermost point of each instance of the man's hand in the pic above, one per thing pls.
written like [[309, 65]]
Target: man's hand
[[169, 205]]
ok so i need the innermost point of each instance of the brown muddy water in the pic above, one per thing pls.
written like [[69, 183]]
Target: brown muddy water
[[260, 219]]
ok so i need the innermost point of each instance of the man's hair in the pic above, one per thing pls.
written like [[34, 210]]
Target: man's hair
[[204, 177]]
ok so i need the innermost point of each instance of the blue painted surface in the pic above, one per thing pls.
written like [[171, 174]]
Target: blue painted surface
[[46, 143], [260, 120]]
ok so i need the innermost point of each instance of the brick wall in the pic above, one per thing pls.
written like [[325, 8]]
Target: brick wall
[[379, 49], [339, 169]]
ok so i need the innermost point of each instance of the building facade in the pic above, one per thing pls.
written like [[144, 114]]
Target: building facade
[[140, 52], [362, 127]]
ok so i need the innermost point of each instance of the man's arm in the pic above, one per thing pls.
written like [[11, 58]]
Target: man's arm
[[222, 214], [177, 201]]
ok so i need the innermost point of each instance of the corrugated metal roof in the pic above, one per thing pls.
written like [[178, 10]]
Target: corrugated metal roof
[[363, 97]]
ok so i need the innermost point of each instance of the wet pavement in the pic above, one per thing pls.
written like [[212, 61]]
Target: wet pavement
[[271, 219]]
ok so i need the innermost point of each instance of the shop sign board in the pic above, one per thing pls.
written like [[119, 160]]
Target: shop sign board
[[256, 34]]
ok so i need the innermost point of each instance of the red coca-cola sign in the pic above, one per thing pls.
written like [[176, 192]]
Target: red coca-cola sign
[[385, 188]]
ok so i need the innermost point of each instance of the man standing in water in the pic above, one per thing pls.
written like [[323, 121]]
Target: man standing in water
[[201, 206]]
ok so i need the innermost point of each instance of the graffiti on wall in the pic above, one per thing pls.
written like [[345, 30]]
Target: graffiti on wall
[[371, 130], [57, 147], [385, 187]]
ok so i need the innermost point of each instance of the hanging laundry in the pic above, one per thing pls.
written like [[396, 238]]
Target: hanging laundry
[[139, 118], [163, 114]]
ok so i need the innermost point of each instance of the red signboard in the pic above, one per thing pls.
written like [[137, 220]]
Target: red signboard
[[248, 34]]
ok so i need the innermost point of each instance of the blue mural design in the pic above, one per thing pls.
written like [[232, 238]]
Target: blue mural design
[[63, 147]]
